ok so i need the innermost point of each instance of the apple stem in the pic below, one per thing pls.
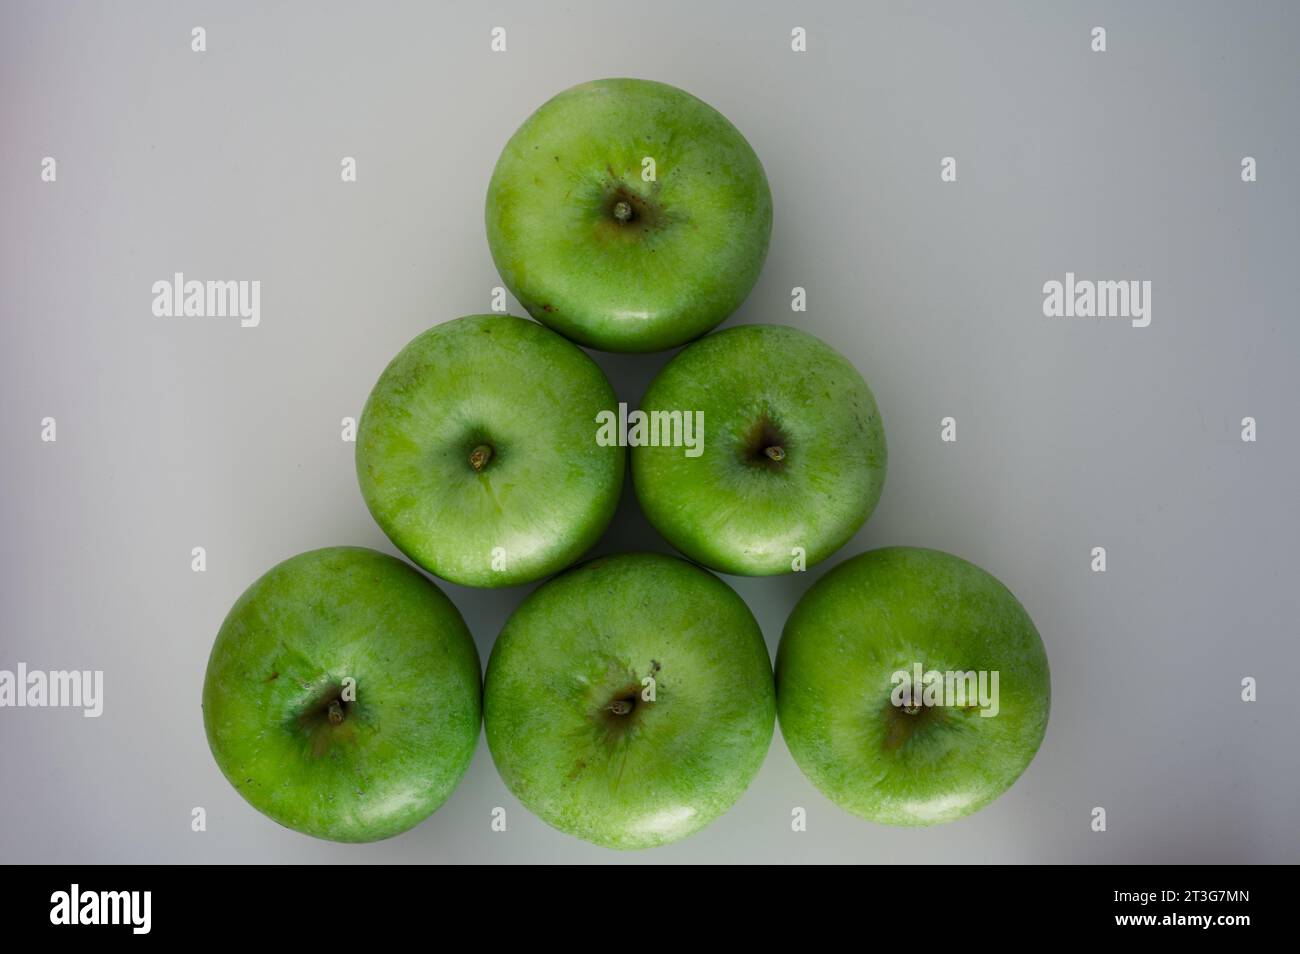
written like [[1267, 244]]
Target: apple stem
[[336, 713], [776, 453], [623, 211], [620, 707], [479, 457]]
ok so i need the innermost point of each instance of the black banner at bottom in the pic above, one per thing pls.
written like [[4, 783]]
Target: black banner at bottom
[[135, 903]]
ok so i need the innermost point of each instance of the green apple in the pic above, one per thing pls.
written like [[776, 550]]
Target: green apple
[[883, 755], [342, 695], [793, 460], [630, 702], [628, 215], [477, 451]]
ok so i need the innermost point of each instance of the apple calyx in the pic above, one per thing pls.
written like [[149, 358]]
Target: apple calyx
[[479, 457], [623, 702], [619, 715], [903, 722], [326, 722], [765, 444], [335, 712], [628, 215]]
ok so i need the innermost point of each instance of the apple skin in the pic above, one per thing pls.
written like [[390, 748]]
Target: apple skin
[[280, 659], [881, 612], [686, 259], [586, 640], [547, 491], [733, 508]]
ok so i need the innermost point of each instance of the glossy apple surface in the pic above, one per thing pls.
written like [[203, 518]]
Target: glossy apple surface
[[880, 613], [568, 720], [354, 761], [607, 258], [477, 453], [793, 459]]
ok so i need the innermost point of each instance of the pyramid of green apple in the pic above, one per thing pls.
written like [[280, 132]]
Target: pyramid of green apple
[[628, 701]]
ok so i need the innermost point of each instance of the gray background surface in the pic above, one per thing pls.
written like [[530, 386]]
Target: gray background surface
[[1072, 433]]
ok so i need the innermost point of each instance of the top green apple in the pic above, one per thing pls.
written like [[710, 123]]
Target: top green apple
[[629, 215]]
